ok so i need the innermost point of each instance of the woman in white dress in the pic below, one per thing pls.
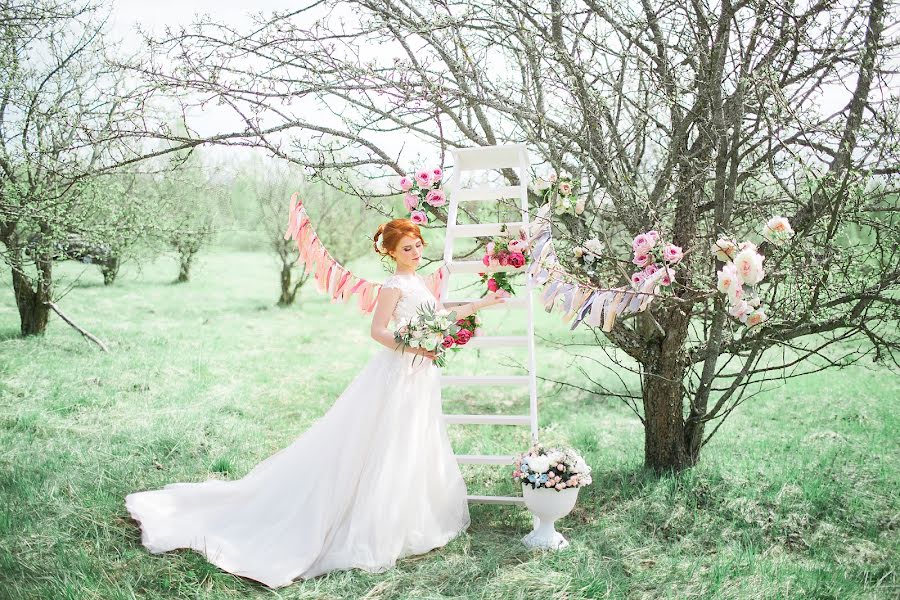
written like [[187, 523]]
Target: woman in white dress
[[371, 481]]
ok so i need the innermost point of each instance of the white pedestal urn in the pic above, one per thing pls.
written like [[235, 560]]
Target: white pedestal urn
[[548, 505]]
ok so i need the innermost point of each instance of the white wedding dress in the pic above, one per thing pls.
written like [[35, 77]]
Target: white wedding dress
[[371, 481]]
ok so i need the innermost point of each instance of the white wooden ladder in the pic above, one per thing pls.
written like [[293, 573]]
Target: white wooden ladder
[[481, 159]]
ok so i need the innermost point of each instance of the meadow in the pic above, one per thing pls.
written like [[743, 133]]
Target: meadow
[[795, 497]]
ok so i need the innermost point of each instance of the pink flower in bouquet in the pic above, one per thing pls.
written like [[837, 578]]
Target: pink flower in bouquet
[[668, 278], [406, 183], [489, 248], [418, 217], [463, 336], [423, 178], [516, 246], [503, 258], [638, 278], [642, 244], [650, 270], [672, 253], [486, 259], [411, 201], [436, 198], [641, 260], [437, 174], [448, 341], [756, 317], [492, 285]]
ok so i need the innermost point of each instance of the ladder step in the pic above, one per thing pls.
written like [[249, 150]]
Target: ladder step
[[484, 379], [497, 341], [517, 500], [483, 229], [485, 193], [485, 459], [490, 157], [476, 266], [514, 302], [487, 419]]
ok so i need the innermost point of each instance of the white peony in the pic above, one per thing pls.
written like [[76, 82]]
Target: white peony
[[539, 464]]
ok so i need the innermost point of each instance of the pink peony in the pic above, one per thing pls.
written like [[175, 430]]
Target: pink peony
[[492, 285], [411, 201], [641, 260], [423, 178], [749, 266], [418, 217], [516, 259], [672, 253], [406, 184], [463, 336], [448, 341], [642, 244], [436, 198]]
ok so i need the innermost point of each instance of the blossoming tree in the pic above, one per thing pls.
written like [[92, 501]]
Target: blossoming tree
[[701, 122]]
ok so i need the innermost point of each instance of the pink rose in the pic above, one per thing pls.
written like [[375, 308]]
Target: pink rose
[[549, 484], [672, 253], [436, 198], [668, 278], [650, 270], [418, 217], [463, 336], [437, 174], [653, 235], [637, 279], [423, 178], [448, 341], [516, 259], [486, 259], [492, 285], [411, 201], [641, 260], [495, 262], [503, 258], [489, 248], [560, 486], [641, 244], [516, 245], [406, 184]]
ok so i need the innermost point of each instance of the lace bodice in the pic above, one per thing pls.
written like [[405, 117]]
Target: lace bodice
[[413, 292]]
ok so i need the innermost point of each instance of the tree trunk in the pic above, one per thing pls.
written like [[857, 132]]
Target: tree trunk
[[664, 448], [32, 300], [184, 270], [287, 298]]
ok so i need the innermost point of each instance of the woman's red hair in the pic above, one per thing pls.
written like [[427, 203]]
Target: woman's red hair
[[392, 232]]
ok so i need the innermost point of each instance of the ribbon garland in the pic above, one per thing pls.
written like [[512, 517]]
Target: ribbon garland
[[598, 307], [331, 277]]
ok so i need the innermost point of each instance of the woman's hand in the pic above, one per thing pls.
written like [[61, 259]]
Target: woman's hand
[[429, 354], [492, 298]]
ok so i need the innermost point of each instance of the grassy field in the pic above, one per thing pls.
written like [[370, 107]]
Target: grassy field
[[796, 497]]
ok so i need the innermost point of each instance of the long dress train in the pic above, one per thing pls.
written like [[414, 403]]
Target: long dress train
[[371, 481]]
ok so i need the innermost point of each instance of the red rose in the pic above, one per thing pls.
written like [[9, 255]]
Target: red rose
[[486, 260], [492, 285], [448, 341], [516, 259], [503, 257], [463, 336]]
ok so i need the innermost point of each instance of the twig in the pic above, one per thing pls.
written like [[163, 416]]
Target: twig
[[86, 334]]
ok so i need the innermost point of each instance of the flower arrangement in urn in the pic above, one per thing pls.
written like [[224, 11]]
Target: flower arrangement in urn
[[421, 191], [550, 478]]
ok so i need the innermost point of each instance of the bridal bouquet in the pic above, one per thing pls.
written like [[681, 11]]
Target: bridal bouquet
[[429, 330], [552, 468]]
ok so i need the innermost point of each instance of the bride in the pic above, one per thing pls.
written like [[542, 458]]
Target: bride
[[371, 481]]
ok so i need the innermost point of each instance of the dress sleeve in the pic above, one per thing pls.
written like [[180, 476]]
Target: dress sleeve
[[392, 282]]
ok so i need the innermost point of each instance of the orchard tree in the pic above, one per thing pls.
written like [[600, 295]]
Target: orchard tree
[[700, 121]]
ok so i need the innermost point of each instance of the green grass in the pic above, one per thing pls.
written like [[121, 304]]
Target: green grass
[[796, 497]]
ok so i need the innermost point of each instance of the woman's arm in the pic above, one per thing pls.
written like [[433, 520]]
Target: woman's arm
[[387, 301], [489, 299]]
